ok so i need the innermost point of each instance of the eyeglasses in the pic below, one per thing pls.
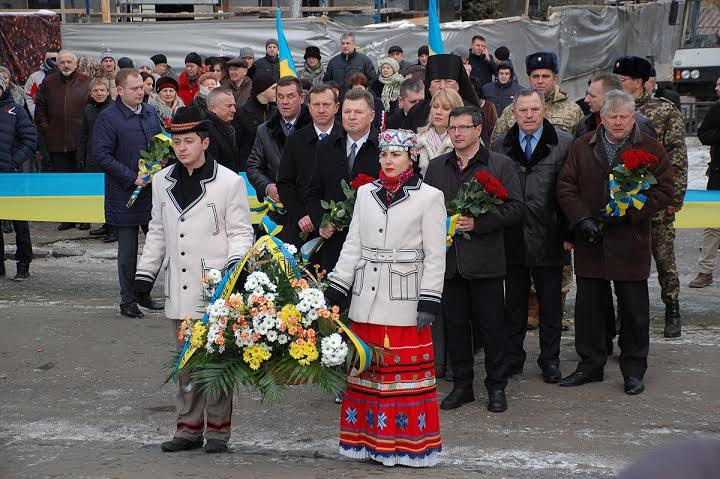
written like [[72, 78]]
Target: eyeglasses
[[461, 128]]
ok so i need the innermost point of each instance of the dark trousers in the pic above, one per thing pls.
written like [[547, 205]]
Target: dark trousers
[[23, 245], [591, 310], [548, 284], [468, 304], [64, 162], [127, 261]]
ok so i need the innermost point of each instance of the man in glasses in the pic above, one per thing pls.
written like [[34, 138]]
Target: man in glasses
[[475, 266]]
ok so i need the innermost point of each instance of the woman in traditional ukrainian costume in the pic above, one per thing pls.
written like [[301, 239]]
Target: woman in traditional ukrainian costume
[[392, 267]]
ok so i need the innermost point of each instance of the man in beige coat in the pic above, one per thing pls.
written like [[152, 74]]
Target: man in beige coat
[[200, 221]]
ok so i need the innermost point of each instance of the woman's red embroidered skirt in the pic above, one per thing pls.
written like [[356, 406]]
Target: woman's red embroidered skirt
[[390, 412]]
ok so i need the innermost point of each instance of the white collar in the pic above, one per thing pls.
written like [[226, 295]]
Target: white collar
[[134, 110], [318, 131], [359, 142]]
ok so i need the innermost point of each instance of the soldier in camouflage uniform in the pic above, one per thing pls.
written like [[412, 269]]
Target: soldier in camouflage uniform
[[670, 127], [542, 69]]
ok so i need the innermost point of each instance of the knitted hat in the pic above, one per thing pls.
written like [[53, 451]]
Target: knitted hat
[[194, 58], [159, 58], [188, 120], [506, 64], [312, 52], [261, 82], [395, 49], [246, 52], [633, 67], [424, 50], [542, 60], [107, 53], [166, 82], [399, 140], [125, 62], [389, 61], [271, 41], [144, 62], [3, 85]]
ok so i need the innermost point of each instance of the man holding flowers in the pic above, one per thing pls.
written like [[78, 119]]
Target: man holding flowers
[[614, 180], [483, 188]]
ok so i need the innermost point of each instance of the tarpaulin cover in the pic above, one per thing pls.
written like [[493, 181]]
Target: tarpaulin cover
[[587, 39], [24, 38]]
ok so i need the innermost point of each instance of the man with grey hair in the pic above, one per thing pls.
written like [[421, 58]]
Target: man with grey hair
[[536, 249], [59, 104], [349, 61], [600, 84], [411, 92], [611, 248], [221, 111]]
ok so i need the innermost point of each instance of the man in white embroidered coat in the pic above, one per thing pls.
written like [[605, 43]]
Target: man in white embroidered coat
[[200, 221]]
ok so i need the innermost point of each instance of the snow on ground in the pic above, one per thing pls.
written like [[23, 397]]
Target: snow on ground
[[698, 158]]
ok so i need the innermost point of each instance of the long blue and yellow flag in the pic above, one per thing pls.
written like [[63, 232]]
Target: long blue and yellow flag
[[287, 66], [435, 42]]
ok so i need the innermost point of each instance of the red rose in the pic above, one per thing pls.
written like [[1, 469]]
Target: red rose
[[361, 179], [495, 188], [483, 177], [636, 158]]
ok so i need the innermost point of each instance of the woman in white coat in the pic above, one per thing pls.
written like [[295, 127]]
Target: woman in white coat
[[433, 138], [392, 266]]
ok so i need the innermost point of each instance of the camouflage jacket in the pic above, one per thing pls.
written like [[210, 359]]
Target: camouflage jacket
[[562, 113], [670, 127]]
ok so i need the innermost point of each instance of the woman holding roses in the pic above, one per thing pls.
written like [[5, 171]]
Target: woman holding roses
[[391, 266]]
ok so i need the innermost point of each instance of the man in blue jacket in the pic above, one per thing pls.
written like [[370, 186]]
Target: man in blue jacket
[[121, 131], [18, 140]]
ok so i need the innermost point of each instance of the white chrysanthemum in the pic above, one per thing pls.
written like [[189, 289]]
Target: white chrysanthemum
[[333, 350], [271, 335], [243, 333], [310, 299], [214, 276], [291, 248], [282, 338]]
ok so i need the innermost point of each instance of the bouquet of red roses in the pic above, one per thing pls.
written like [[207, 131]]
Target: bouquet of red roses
[[628, 179], [482, 194], [340, 213]]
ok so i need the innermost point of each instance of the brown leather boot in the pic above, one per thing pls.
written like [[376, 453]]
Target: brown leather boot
[[701, 280], [533, 321]]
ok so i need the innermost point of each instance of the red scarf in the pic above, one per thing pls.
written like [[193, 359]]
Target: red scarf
[[392, 185]]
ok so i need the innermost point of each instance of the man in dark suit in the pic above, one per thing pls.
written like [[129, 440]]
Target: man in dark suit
[[412, 91], [298, 161], [221, 110], [343, 156]]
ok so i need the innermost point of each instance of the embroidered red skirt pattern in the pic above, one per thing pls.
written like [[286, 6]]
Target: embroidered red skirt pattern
[[390, 412]]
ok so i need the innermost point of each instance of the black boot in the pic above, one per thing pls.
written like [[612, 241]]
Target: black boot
[[672, 320], [7, 226], [101, 231], [66, 226], [178, 444], [2, 269], [83, 226], [110, 236], [23, 271]]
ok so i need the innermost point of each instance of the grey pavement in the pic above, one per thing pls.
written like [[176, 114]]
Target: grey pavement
[[82, 393]]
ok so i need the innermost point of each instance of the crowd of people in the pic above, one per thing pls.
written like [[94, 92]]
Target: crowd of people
[[421, 131]]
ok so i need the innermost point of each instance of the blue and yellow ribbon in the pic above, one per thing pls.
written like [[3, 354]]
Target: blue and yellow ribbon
[[149, 170], [621, 200], [451, 229]]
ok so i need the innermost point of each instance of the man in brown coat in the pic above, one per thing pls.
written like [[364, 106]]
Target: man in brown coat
[[609, 248], [59, 105]]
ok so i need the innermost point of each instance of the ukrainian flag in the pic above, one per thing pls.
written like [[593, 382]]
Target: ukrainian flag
[[435, 42], [287, 67]]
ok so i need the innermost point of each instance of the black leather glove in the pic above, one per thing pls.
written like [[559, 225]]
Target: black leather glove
[[589, 230], [608, 219], [425, 319], [335, 298]]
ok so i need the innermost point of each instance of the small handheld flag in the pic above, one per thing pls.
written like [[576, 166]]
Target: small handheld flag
[[287, 67], [435, 42]]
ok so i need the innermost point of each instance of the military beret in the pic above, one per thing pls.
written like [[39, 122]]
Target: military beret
[[633, 67], [542, 60]]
